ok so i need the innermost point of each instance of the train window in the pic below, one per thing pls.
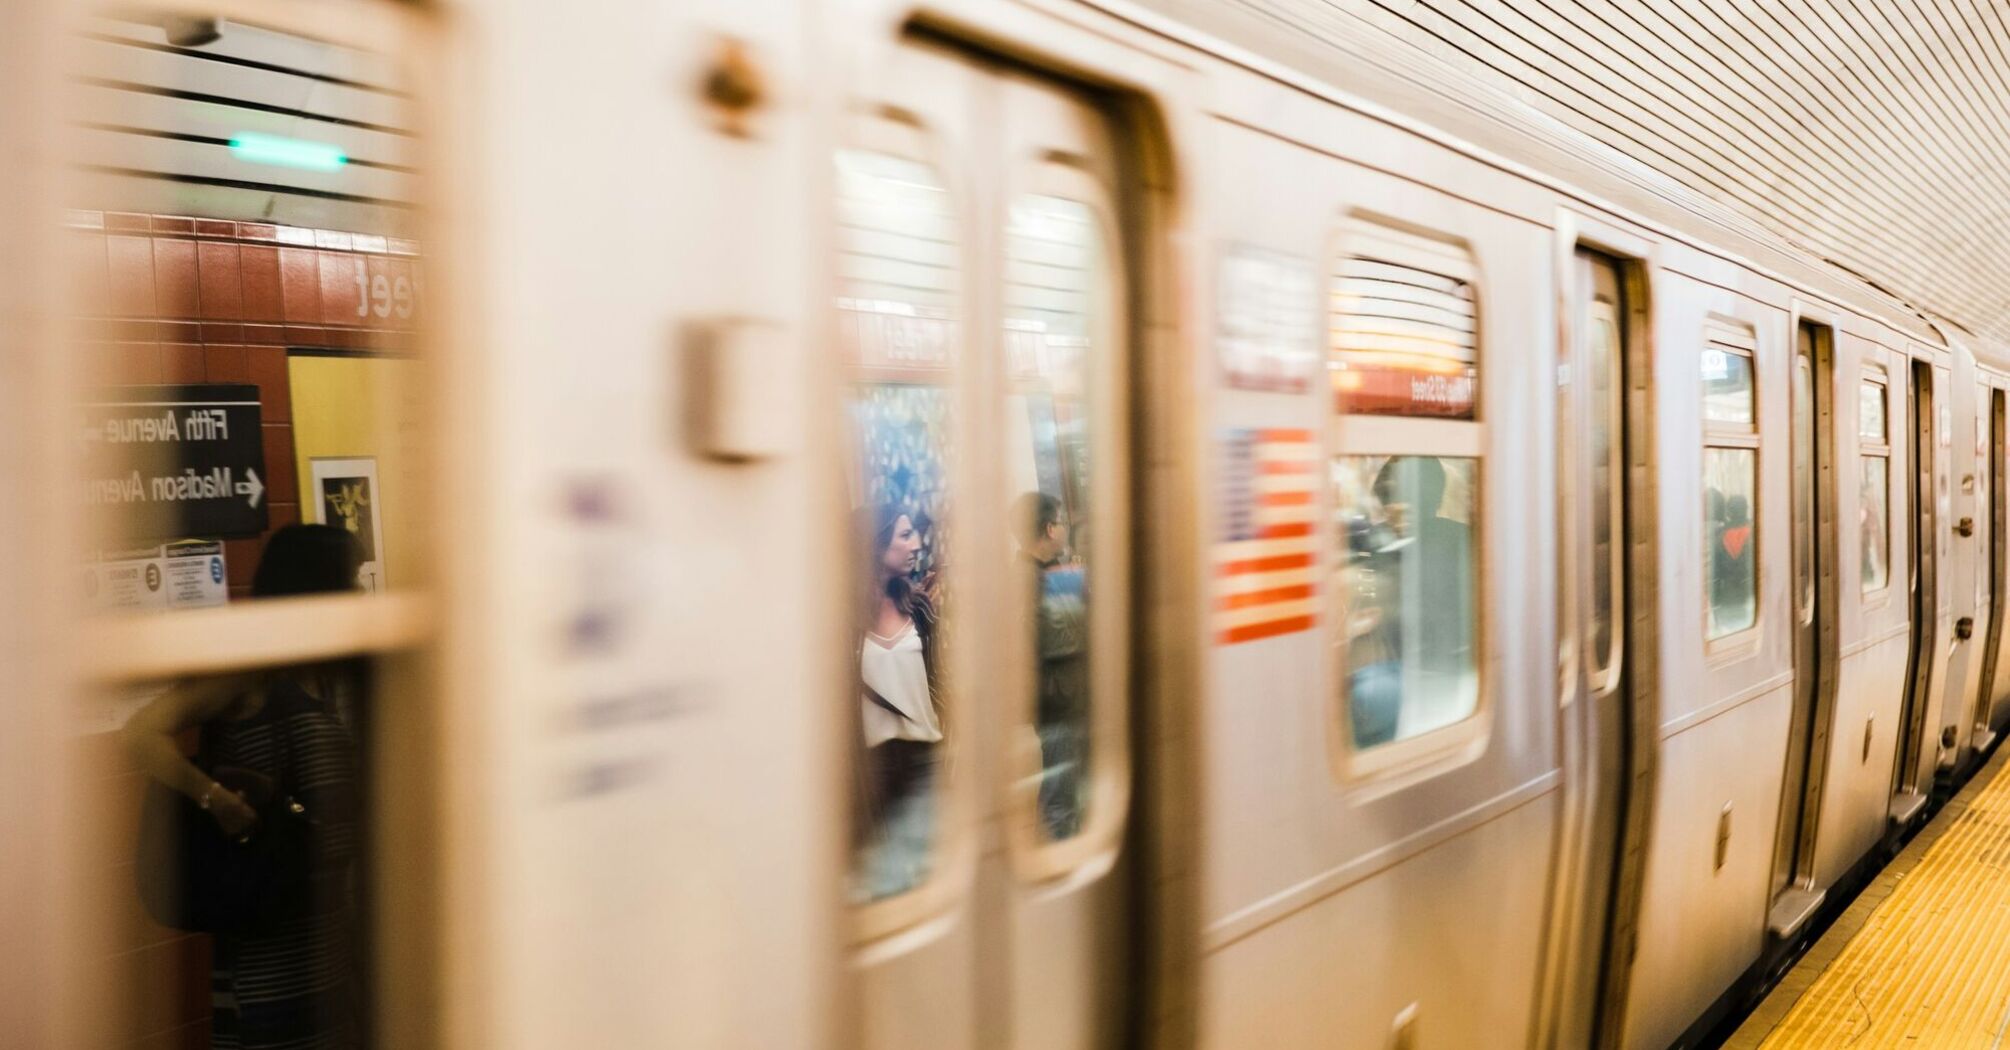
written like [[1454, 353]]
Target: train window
[[245, 256], [1406, 506], [247, 268], [1055, 307], [898, 274], [1727, 385], [1875, 522], [1405, 341], [1408, 568], [1870, 422], [1730, 482], [1874, 481]]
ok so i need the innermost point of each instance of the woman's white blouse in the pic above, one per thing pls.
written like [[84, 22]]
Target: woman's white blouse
[[894, 668]]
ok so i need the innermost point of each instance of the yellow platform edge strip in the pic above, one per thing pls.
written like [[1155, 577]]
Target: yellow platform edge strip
[[1921, 959]]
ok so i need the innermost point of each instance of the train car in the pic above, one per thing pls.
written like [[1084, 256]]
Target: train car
[[979, 524]]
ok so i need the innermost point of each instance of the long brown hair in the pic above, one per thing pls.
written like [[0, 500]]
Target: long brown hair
[[875, 527]]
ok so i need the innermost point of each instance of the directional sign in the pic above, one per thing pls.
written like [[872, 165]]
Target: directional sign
[[170, 461]]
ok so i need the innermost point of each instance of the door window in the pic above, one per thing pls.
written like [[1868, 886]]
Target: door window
[[898, 278], [1804, 484], [1055, 327], [1608, 473]]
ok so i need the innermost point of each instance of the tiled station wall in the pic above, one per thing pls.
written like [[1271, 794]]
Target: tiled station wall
[[168, 299]]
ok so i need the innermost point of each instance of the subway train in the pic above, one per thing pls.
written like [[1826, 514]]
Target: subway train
[[948, 526]]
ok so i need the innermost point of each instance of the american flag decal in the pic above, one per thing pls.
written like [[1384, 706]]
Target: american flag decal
[[1263, 562]]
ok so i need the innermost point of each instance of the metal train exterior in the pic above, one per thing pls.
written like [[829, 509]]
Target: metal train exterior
[[672, 253]]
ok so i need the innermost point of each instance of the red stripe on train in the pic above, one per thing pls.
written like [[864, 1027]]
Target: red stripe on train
[[1252, 631]]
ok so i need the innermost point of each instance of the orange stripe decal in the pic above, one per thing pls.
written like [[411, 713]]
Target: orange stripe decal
[[1269, 629], [1289, 528], [1284, 466], [1274, 563], [1246, 599], [1283, 499]]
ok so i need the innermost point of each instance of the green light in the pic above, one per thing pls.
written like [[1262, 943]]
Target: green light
[[287, 153]]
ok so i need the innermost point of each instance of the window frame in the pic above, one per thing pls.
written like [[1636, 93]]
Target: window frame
[[1400, 762], [1738, 338], [1869, 449]]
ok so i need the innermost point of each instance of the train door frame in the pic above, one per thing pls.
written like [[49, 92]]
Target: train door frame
[[1922, 406], [1608, 749], [1994, 419], [1147, 858], [36, 1000], [1816, 604]]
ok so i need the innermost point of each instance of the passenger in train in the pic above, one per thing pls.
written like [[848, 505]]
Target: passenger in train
[[1738, 543], [900, 709], [1413, 488], [1061, 647], [1731, 591], [294, 982]]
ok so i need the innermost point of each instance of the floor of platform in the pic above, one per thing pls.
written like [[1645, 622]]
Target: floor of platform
[[1922, 957]]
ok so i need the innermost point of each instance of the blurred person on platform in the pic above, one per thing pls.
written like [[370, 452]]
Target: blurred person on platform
[[1055, 600], [293, 981]]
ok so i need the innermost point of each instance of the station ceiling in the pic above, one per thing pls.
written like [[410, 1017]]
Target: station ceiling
[[1874, 134]]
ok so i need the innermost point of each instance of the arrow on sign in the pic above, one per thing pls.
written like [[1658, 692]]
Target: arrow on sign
[[252, 488]]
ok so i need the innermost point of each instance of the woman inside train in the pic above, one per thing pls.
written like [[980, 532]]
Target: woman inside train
[[899, 708]]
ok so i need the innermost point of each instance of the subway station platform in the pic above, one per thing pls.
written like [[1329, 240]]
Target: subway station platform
[[1921, 959]]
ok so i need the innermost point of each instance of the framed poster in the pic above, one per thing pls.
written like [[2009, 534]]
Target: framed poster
[[346, 494]]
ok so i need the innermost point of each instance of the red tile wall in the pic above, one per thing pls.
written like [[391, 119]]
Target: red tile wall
[[170, 299]]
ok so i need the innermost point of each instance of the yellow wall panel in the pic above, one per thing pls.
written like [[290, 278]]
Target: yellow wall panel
[[362, 408]]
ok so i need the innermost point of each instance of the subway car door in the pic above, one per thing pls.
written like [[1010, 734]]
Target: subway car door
[[1908, 796], [1793, 900], [981, 303], [1607, 651]]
